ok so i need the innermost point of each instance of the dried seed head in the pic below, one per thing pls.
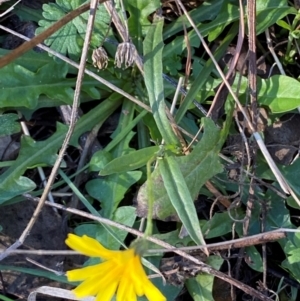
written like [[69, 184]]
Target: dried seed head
[[125, 55], [100, 58]]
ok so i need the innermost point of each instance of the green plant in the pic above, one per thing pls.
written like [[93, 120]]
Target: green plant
[[116, 175]]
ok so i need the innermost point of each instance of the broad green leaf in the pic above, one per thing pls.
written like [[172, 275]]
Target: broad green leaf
[[99, 160], [254, 259], [180, 197], [280, 93], [110, 190], [21, 87], [68, 39], [124, 215], [33, 153], [196, 168], [220, 224], [200, 287], [291, 249], [278, 215], [9, 124], [290, 173], [131, 161], [153, 46]]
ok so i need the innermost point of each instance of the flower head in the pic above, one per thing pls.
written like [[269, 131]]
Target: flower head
[[125, 55], [121, 273], [100, 58]]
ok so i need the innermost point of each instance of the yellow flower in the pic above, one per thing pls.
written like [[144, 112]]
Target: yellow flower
[[121, 273]]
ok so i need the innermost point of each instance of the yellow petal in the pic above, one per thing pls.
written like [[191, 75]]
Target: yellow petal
[[123, 287], [114, 275], [153, 293], [139, 271], [138, 276], [95, 284], [142, 284], [130, 295], [90, 271], [89, 246], [87, 288], [107, 293]]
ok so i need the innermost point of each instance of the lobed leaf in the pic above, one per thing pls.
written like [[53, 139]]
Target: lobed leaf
[[33, 153], [22, 87], [9, 124], [69, 38]]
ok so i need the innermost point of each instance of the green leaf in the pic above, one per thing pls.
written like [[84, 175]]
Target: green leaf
[[96, 116], [100, 159], [254, 259], [203, 76], [180, 197], [68, 39], [125, 131], [283, 24], [218, 225], [124, 215], [196, 168], [153, 47], [280, 93], [110, 190], [200, 288], [32, 153], [290, 173], [131, 161], [45, 153], [205, 11], [30, 60], [291, 249], [268, 13], [8, 124], [225, 17], [22, 87], [139, 11], [35, 272], [172, 237]]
